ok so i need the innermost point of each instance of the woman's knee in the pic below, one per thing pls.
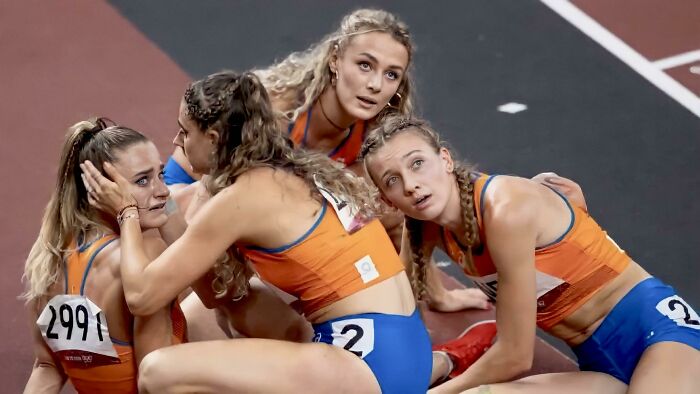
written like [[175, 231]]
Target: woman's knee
[[153, 372]]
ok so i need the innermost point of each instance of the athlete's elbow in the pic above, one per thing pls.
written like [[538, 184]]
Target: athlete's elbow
[[519, 362], [139, 304], [513, 359]]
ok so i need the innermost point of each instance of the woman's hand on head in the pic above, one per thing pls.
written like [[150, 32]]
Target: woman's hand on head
[[104, 194]]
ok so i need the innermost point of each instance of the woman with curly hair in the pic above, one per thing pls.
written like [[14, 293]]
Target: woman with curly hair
[[305, 225]]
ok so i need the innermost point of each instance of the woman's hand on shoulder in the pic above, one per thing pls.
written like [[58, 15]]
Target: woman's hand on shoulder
[[570, 189]]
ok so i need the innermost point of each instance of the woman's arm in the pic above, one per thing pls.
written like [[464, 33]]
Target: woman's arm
[[511, 230], [154, 331], [151, 285], [47, 374]]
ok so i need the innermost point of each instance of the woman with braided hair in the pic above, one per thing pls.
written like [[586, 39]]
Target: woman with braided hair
[[545, 261], [84, 330], [305, 225]]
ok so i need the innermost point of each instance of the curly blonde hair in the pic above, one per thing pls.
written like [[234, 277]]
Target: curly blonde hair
[[302, 76], [68, 215], [388, 129], [238, 108]]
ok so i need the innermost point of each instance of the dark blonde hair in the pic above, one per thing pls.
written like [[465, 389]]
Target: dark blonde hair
[[302, 76], [378, 137], [238, 108], [68, 215]]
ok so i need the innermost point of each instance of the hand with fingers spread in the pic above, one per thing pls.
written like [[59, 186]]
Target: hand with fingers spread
[[109, 196], [565, 186]]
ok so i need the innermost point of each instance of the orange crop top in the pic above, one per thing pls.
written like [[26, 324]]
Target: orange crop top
[[346, 152], [569, 271], [327, 264], [102, 374]]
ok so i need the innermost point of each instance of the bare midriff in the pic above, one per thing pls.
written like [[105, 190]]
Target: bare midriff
[[581, 324]]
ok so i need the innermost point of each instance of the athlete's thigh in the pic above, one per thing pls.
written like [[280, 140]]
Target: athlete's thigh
[[557, 383], [255, 366], [667, 367]]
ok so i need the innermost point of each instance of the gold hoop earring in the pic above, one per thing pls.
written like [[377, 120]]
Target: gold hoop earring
[[398, 101], [334, 77]]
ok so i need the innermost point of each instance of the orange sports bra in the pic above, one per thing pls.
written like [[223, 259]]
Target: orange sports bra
[[327, 263], [88, 372], [346, 152], [569, 271]]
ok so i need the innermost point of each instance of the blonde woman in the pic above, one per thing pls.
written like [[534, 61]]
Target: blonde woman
[[546, 262], [84, 330], [305, 226]]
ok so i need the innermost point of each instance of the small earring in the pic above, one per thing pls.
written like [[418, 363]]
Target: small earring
[[334, 77], [398, 101]]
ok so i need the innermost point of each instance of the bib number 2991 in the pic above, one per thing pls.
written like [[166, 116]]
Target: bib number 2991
[[70, 319], [74, 323]]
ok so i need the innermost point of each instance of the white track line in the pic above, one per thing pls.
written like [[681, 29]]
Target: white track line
[[624, 52], [677, 60]]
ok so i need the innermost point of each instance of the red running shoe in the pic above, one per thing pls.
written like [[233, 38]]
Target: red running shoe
[[469, 346]]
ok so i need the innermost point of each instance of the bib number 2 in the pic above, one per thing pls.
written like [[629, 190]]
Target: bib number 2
[[354, 335], [676, 309]]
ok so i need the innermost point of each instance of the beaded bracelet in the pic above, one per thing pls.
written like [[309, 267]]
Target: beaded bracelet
[[124, 211], [128, 215], [121, 211]]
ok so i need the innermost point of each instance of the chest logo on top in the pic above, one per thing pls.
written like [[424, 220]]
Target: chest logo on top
[[75, 328], [366, 268]]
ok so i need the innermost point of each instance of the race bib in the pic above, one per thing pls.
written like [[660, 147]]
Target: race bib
[[347, 213], [354, 335], [676, 309], [75, 329], [545, 283], [488, 284]]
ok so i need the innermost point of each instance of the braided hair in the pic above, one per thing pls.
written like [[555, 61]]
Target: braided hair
[[387, 129]]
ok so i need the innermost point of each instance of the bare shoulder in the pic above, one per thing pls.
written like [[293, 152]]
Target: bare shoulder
[[511, 199], [255, 190]]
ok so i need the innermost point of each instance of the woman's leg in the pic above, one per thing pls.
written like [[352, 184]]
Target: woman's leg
[[261, 314], [556, 383], [255, 366], [667, 367]]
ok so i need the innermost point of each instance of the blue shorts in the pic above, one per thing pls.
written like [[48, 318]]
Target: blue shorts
[[396, 348], [173, 173], [650, 313]]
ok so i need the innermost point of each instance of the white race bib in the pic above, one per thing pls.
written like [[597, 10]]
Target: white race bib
[[487, 283], [676, 309], [347, 213], [76, 329], [354, 335]]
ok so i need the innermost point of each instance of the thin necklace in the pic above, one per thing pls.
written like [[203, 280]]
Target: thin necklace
[[323, 111]]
